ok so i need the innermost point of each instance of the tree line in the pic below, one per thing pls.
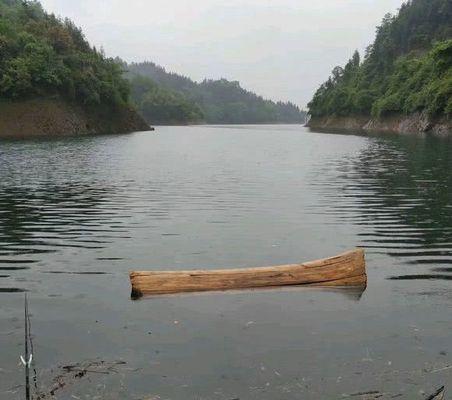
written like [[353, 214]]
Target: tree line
[[43, 55], [219, 101], [407, 69]]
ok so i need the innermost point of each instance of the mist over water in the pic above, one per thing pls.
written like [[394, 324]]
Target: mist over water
[[77, 214]]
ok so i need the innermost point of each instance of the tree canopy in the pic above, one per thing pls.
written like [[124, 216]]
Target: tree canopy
[[408, 68], [43, 55], [220, 101], [162, 106]]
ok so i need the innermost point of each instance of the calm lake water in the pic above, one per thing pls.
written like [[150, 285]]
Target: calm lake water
[[76, 214]]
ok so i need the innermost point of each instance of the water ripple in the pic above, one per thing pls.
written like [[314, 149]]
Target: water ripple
[[400, 204], [65, 203]]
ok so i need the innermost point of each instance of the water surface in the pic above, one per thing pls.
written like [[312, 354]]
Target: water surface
[[76, 214]]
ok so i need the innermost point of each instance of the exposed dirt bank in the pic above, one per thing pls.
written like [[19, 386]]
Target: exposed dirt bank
[[56, 117], [418, 124]]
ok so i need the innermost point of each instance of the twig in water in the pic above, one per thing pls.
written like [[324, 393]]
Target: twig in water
[[364, 393], [441, 369], [33, 358], [28, 357], [438, 395], [74, 372]]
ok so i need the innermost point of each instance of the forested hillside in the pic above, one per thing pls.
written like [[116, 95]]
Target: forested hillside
[[163, 106], [407, 70], [219, 101], [45, 57]]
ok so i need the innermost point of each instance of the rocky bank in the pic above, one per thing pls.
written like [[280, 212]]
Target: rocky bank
[[58, 117], [417, 124]]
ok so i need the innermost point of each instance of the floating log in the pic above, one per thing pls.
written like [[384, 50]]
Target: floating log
[[347, 269]]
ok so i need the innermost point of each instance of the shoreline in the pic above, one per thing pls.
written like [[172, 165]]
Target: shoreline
[[413, 124], [56, 117]]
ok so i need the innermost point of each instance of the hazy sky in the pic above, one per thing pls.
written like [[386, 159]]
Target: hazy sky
[[281, 49]]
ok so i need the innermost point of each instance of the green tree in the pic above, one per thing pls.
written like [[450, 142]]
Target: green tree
[[406, 69], [44, 55]]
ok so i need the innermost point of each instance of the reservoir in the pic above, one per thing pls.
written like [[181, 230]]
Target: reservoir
[[77, 214]]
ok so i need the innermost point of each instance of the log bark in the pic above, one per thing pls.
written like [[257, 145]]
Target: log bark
[[347, 269]]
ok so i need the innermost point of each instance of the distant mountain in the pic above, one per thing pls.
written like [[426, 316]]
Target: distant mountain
[[404, 82], [67, 85], [219, 101], [162, 106]]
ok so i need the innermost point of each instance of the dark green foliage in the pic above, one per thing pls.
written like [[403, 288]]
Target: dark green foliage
[[418, 84], [41, 55], [221, 101], [162, 106], [407, 69]]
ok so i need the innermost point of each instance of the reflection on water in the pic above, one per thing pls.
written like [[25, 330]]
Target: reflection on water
[[77, 214], [420, 277], [11, 290], [398, 190], [349, 293], [40, 217]]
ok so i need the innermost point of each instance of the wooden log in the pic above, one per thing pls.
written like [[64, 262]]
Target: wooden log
[[347, 269]]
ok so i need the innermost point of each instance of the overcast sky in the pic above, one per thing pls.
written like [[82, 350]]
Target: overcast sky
[[281, 49]]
